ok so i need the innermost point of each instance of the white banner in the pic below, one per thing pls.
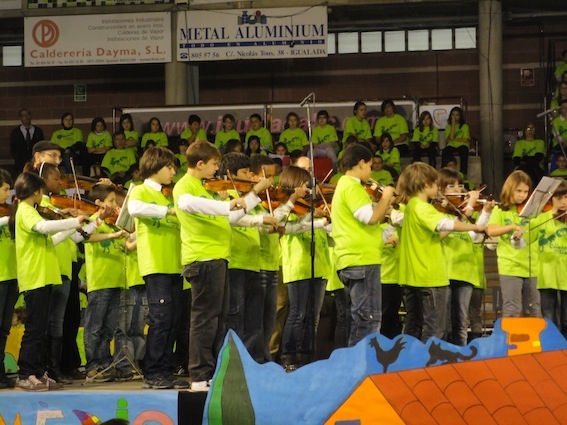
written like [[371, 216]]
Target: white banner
[[293, 32], [97, 39]]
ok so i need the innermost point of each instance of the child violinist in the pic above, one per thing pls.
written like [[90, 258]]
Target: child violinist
[[38, 271], [461, 257], [549, 230], [205, 248], [104, 259], [516, 267], [159, 259], [356, 230], [422, 268], [8, 282]]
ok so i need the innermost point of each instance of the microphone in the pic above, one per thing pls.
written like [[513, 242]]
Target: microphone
[[309, 98], [541, 114]]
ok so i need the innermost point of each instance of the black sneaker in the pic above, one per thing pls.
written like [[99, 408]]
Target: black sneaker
[[124, 375], [181, 371], [75, 374], [58, 377], [178, 384], [7, 382], [158, 383]]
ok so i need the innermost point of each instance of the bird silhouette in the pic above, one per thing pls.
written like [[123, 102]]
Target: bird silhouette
[[386, 358]]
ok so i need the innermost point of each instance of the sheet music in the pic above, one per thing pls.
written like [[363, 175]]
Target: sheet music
[[541, 196], [125, 220]]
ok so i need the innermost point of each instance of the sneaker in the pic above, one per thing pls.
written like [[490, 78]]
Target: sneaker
[[99, 375], [58, 377], [76, 374], [31, 383], [158, 383], [178, 384], [181, 371], [200, 386], [124, 375], [50, 383], [7, 382]]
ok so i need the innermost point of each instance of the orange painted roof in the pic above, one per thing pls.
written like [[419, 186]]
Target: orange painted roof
[[529, 389]]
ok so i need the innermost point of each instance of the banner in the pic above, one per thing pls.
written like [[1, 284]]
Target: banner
[[97, 39], [292, 32]]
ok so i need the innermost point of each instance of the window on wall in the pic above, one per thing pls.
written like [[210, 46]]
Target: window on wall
[[348, 42], [11, 55], [371, 42], [331, 46], [402, 41]]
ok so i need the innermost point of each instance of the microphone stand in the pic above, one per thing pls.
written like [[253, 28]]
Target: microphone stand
[[307, 103]]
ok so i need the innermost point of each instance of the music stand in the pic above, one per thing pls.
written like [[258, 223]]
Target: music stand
[[540, 196]]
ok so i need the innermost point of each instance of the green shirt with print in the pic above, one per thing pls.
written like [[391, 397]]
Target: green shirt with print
[[428, 135], [117, 160], [187, 134], [391, 157], [294, 139], [106, 262], [67, 138], [66, 250], [222, 138], [203, 236], [8, 269], [160, 138], [360, 129], [37, 263], [265, 138], [461, 132], [324, 134], [395, 125], [102, 140], [159, 240], [528, 148]]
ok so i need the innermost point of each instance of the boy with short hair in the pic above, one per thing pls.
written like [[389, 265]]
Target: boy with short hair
[[379, 174], [193, 131], [205, 251], [357, 236]]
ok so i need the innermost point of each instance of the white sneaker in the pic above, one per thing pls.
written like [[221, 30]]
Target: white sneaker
[[200, 386], [31, 383]]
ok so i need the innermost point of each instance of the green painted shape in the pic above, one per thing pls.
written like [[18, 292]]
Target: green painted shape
[[236, 408]]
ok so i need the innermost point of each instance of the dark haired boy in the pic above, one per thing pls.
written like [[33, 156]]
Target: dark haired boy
[[357, 236], [193, 131]]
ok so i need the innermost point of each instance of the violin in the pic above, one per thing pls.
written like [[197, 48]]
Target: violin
[[84, 205], [219, 185], [5, 210], [167, 190], [82, 182], [374, 189]]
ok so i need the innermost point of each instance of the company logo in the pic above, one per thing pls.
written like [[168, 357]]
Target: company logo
[[45, 33], [256, 18]]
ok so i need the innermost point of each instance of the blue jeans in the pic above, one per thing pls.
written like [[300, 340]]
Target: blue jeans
[[246, 310], [8, 297], [426, 311], [32, 356], [164, 300], [209, 290], [132, 317], [101, 318], [461, 293], [59, 298], [269, 284], [554, 303], [303, 316], [364, 300]]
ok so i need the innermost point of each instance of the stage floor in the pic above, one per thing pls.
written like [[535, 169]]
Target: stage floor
[[92, 403]]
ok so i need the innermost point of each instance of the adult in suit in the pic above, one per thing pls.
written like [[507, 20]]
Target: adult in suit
[[22, 141]]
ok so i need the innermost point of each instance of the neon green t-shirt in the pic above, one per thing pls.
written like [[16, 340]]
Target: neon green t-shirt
[[383, 177], [528, 148], [294, 139], [265, 138], [551, 238], [296, 257], [203, 236], [333, 283], [270, 252], [460, 257], [159, 243], [133, 277], [101, 140], [66, 250], [187, 134], [559, 125], [116, 160], [559, 173], [37, 263], [106, 262], [512, 261], [426, 136], [133, 135], [395, 125], [360, 129], [245, 245], [356, 243], [8, 270], [324, 134], [160, 138], [336, 177], [461, 132], [391, 157], [222, 138], [422, 262], [182, 170], [67, 138]]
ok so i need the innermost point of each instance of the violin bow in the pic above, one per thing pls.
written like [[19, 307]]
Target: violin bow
[[460, 213], [229, 175], [268, 194], [75, 178], [554, 217]]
